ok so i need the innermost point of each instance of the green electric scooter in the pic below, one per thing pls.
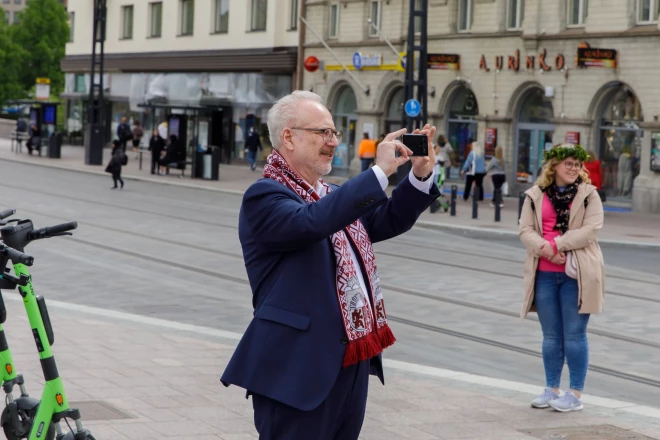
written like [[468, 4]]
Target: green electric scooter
[[18, 415], [54, 405]]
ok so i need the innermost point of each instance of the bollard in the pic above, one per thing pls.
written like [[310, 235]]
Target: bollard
[[475, 203], [497, 198], [452, 203], [521, 202]]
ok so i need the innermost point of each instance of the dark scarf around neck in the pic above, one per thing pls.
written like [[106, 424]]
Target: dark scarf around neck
[[561, 201]]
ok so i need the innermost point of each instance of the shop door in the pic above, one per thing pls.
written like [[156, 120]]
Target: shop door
[[532, 141]]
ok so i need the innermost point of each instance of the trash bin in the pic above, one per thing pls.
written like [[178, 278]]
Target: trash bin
[[55, 146], [207, 163]]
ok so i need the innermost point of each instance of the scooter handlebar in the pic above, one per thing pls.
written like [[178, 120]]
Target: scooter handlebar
[[50, 231], [16, 256], [7, 213]]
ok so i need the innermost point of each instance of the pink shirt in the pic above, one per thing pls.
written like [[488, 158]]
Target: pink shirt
[[548, 218]]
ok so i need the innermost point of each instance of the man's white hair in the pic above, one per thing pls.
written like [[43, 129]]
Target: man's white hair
[[285, 111]]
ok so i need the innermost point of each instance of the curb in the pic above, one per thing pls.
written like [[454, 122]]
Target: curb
[[465, 231], [476, 232]]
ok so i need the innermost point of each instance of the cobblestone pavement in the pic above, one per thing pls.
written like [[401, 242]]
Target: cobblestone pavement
[[155, 381]]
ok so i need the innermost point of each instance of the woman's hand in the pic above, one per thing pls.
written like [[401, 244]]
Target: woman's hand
[[558, 258], [546, 250]]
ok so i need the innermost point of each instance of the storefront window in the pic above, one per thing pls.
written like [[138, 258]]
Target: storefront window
[[534, 134], [620, 143], [462, 127], [394, 114], [345, 118]]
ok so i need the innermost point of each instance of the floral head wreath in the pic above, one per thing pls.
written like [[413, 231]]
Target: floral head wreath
[[561, 152]]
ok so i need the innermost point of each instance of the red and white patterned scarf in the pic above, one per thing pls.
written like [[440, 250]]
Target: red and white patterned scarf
[[367, 332]]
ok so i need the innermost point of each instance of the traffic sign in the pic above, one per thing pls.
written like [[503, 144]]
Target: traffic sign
[[357, 60], [413, 108]]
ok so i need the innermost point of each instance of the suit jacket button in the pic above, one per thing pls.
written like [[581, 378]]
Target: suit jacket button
[[344, 340], [371, 200]]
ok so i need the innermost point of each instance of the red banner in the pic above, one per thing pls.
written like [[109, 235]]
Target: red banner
[[573, 137], [491, 141]]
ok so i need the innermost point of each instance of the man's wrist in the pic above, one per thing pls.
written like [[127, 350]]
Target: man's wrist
[[423, 178]]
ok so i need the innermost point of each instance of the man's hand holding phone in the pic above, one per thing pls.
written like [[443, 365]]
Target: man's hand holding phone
[[423, 159]]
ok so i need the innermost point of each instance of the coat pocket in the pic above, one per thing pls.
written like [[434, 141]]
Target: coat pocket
[[281, 316]]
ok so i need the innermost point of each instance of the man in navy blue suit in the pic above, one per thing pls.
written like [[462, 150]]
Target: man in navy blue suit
[[319, 324]]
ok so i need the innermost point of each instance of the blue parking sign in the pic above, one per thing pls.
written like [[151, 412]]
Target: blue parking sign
[[413, 108]]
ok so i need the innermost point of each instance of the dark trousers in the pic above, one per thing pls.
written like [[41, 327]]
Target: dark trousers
[[498, 181], [479, 179], [154, 162], [116, 176], [366, 163], [339, 417]]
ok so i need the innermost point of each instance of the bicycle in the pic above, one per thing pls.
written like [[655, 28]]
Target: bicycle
[[53, 405]]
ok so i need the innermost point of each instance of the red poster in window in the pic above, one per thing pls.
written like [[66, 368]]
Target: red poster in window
[[491, 141], [573, 137]]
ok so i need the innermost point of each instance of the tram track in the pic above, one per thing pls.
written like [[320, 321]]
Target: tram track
[[432, 328]]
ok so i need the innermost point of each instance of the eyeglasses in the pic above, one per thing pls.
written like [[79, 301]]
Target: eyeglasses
[[577, 165], [327, 133]]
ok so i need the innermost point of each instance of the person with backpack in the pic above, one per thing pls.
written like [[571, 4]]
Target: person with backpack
[[564, 274], [117, 160]]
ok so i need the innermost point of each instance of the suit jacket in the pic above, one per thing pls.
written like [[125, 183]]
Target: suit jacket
[[292, 350]]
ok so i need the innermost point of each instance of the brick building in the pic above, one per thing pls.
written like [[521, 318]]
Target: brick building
[[516, 75]]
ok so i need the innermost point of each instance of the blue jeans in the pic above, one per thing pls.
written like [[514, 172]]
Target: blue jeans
[[252, 157], [564, 330], [366, 163]]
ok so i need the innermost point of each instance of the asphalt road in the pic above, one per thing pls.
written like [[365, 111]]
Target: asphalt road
[[173, 253]]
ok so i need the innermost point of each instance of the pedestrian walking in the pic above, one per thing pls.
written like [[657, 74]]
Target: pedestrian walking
[[319, 324], [475, 169], [564, 269], [497, 172], [124, 132], [117, 160], [252, 146], [367, 151]]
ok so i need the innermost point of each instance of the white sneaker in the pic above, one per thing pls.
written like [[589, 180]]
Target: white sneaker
[[567, 402], [543, 401]]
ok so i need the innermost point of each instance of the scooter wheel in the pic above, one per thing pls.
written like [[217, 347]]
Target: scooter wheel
[[26, 419]]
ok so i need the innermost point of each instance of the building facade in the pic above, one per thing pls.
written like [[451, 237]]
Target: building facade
[[220, 64], [523, 74]]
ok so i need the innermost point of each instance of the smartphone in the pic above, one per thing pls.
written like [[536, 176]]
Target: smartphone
[[418, 144]]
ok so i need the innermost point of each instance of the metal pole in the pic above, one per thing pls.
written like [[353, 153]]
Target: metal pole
[[475, 202], [498, 201], [452, 206]]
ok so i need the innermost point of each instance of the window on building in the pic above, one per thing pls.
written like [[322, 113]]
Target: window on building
[[221, 25], [17, 2], [293, 25], [80, 86], [127, 22], [647, 11], [155, 19], [187, 17], [333, 25], [515, 13], [577, 12], [374, 15], [72, 25], [465, 14], [15, 17], [259, 15], [6, 1]]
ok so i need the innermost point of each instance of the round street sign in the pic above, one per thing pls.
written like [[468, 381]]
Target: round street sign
[[357, 60], [311, 63], [413, 108]]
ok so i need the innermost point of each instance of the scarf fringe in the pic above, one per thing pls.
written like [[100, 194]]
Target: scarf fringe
[[362, 349], [385, 336]]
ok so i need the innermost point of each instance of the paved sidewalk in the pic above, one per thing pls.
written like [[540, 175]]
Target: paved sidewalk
[[621, 228], [154, 379]]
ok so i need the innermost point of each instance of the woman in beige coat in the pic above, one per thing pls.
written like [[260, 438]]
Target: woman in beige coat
[[564, 270]]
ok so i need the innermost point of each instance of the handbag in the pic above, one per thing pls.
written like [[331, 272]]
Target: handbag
[[571, 265], [505, 189]]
